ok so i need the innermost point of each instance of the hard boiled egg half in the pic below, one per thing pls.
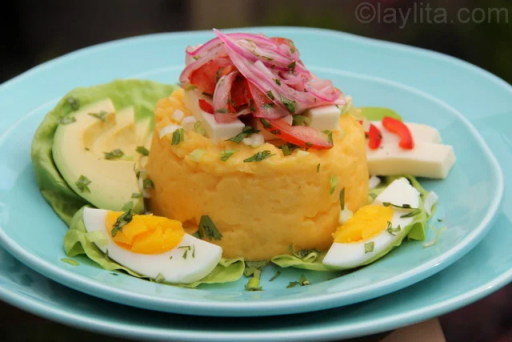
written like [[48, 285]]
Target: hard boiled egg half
[[374, 229], [154, 246]]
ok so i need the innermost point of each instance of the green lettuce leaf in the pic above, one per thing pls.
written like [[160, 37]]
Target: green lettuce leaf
[[378, 113], [142, 95], [312, 261], [78, 241]]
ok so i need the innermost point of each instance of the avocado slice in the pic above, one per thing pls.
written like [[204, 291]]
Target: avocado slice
[[79, 152]]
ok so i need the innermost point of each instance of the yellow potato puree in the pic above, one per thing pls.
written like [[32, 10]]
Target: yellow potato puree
[[259, 207]]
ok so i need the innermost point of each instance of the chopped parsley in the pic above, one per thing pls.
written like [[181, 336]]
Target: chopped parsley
[[368, 247], [342, 199], [265, 123], [186, 250], [66, 120], [404, 206], [127, 206], [259, 156], [100, 116], [207, 229], [439, 220], [303, 281], [254, 283], [246, 131], [217, 74], [142, 150], [122, 221], [411, 213], [393, 231], [303, 253], [252, 107], [288, 148], [136, 195], [318, 168], [73, 103], [251, 267], [333, 181], [271, 95], [70, 261], [178, 136], [289, 104], [226, 154], [222, 111], [278, 273], [278, 82], [291, 67], [114, 154], [148, 184], [82, 184], [299, 120]]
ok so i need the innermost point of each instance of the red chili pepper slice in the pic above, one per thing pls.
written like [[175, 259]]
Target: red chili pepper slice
[[374, 137], [205, 106], [399, 128]]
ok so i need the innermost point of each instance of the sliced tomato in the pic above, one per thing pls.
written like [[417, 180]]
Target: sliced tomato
[[239, 95], [303, 136], [281, 40], [205, 77], [261, 105], [205, 106]]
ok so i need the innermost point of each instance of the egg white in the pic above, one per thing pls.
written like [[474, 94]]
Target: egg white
[[171, 264], [350, 255]]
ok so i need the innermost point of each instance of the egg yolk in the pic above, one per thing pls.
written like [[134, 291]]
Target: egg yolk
[[146, 234], [366, 223]]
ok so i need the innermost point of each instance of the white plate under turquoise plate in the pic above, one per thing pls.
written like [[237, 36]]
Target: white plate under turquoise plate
[[479, 182]]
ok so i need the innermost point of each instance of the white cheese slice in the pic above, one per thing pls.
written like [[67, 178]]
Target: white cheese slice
[[419, 132], [424, 160], [325, 117], [215, 131]]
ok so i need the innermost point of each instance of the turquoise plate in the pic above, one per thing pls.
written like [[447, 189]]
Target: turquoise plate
[[470, 196]]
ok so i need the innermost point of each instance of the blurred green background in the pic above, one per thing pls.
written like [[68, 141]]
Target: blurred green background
[[35, 31]]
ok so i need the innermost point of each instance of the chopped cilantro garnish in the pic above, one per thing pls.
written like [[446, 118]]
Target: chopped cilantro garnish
[[207, 229], [405, 206], [252, 266], [252, 106], [142, 150], [259, 156], [318, 168], [100, 116], [303, 253], [439, 220], [247, 130], [368, 247], [289, 104], [268, 105], [288, 148], [333, 181], [82, 184], [278, 82], [66, 120], [122, 221], [226, 154], [292, 284], [291, 67], [303, 281], [222, 111], [254, 283], [127, 206], [271, 95], [299, 120], [73, 103], [186, 249], [114, 154], [411, 213], [178, 136], [342, 199], [265, 123], [217, 74], [278, 273], [148, 184], [275, 132], [393, 231]]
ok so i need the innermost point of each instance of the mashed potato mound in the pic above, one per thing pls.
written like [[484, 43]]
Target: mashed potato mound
[[259, 207]]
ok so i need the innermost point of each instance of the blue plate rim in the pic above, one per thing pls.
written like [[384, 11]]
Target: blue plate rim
[[486, 223]]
